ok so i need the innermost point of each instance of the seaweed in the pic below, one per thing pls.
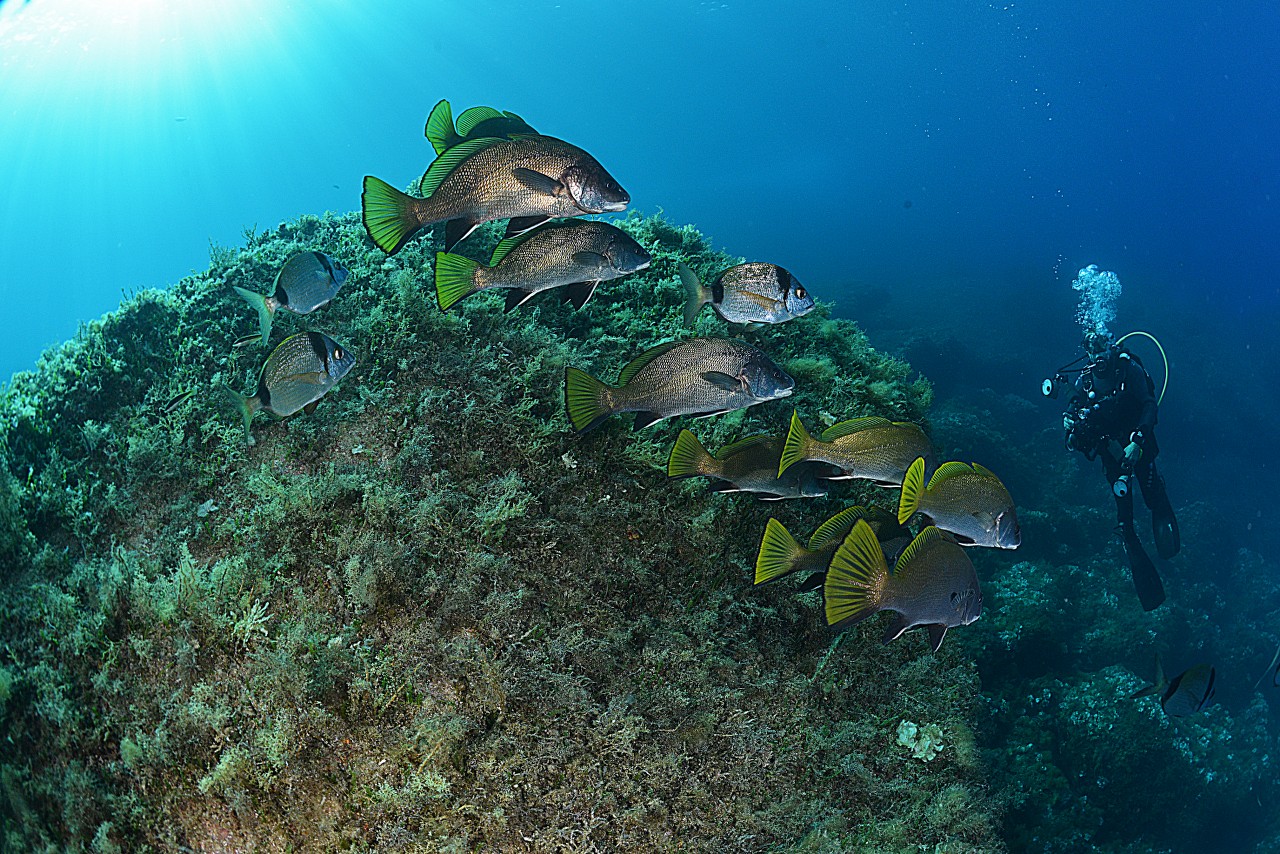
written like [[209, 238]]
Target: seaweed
[[428, 615]]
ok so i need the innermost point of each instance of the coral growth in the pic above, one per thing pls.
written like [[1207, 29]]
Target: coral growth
[[428, 616]]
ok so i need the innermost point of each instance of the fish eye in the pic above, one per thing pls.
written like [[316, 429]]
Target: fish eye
[[800, 294], [337, 353]]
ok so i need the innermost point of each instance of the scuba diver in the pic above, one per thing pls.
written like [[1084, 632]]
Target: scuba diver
[[1111, 414]]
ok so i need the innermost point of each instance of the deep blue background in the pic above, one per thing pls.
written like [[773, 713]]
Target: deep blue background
[[938, 170]]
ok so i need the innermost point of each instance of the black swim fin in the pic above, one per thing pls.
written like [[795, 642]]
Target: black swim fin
[[1146, 580], [1165, 530]]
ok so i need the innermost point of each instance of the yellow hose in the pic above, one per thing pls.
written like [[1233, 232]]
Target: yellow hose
[[1165, 386]]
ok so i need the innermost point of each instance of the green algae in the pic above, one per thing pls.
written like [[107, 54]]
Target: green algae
[[428, 617]]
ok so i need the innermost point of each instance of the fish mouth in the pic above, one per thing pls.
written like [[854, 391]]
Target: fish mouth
[[613, 207]]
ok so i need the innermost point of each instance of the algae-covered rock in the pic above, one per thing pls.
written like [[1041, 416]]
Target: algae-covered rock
[[429, 617]]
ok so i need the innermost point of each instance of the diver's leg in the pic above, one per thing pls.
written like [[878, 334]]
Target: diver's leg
[[1146, 580], [1164, 524]]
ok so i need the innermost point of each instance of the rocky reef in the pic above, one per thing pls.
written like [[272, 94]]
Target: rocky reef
[[1075, 765], [429, 617]]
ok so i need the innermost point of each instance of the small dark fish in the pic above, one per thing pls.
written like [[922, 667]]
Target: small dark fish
[[781, 554], [473, 123], [967, 500], [300, 371], [933, 584], [575, 254], [528, 180], [747, 465], [701, 376], [306, 282], [748, 293], [875, 449], [175, 402], [1187, 693]]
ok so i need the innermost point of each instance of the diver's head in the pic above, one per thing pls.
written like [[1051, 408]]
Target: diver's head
[[1101, 350]]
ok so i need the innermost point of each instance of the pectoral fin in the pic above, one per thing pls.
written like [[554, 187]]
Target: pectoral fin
[[719, 379], [594, 260], [310, 408], [538, 183]]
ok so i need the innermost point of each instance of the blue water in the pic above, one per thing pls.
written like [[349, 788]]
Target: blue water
[[939, 171]]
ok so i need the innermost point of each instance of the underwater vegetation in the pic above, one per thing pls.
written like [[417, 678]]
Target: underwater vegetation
[[429, 616]]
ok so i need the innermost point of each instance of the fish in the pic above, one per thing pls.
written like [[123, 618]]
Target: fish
[[933, 584], [751, 293], [1187, 693], [528, 180], [969, 501], [302, 369], [873, 448], [473, 123], [305, 282], [700, 376], [747, 465], [575, 255], [781, 554]]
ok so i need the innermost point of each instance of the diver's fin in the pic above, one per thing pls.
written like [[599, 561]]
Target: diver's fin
[[1165, 530], [1146, 580]]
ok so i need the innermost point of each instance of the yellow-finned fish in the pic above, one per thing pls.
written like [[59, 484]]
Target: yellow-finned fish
[[875, 449], [300, 371], [748, 465], [305, 282], [967, 500], [473, 123], [528, 180], [781, 554], [933, 584], [754, 292], [701, 376], [576, 255]]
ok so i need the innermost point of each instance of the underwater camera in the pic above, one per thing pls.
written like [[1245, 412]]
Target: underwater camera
[[1049, 388]]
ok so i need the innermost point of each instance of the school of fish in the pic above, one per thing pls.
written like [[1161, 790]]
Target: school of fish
[[492, 165]]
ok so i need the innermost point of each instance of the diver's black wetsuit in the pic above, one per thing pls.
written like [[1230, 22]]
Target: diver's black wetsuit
[[1113, 400]]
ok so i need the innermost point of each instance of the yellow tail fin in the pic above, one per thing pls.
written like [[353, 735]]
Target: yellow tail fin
[[388, 214]]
